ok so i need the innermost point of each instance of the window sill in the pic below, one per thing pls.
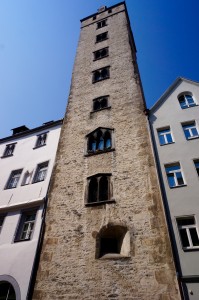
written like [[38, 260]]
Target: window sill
[[101, 79], [5, 156], [114, 256], [101, 41], [19, 241], [38, 181], [101, 27], [189, 106], [36, 147], [99, 152], [193, 138], [100, 57], [167, 144], [178, 186], [94, 111], [191, 249], [100, 202]]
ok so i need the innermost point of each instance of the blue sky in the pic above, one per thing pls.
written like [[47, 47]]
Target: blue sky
[[38, 41]]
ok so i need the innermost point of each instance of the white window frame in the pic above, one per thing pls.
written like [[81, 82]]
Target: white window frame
[[160, 133], [192, 125], [186, 101], [187, 228], [174, 173]]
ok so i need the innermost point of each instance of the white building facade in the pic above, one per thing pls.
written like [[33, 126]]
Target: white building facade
[[26, 163], [174, 122]]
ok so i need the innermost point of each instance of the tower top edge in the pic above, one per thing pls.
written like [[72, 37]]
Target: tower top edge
[[102, 11]]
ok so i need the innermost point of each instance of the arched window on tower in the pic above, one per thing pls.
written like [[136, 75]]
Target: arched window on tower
[[99, 189], [99, 141], [113, 241]]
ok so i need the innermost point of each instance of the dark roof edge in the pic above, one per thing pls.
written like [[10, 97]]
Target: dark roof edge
[[30, 131], [123, 2], [169, 89]]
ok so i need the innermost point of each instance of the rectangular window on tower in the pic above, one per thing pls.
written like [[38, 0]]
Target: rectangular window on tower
[[102, 37], [100, 53], [101, 74], [101, 23]]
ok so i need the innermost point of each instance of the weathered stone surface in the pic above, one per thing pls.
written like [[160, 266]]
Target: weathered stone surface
[[68, 255]]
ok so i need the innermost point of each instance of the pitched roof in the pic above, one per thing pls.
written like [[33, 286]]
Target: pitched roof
[[172, 87]]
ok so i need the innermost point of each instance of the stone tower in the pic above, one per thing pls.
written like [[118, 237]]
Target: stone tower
[[106, 236]]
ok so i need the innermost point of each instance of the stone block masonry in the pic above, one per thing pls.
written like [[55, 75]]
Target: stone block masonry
[[70, 267]]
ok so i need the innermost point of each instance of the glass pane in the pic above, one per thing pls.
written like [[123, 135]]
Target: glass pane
[[169, 138], [194, 132], [186, 221], [190, 99], [184, 238], [108, 143], [101, 144], [194, 236], [179, 178], [171, 180], [187, 133], [183, 104], [162, 139], [172, 168]]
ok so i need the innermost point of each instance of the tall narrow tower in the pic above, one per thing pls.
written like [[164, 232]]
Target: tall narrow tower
[[106, 236]]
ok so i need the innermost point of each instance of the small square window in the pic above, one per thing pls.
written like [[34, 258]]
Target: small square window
[[196, 163], [2, 217], [41, 140], [188, 232], [165, 136], [110, 11], [13, 179], [190, 130], [100, 103], [9, 150], [174, 175], [186, 101], [41, 172], [100, 53], [26, 226], [94, 17], [101, 74], [101, 37], [101, 24]]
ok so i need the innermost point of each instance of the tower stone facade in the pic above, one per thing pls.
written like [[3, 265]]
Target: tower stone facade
[[106, 236]]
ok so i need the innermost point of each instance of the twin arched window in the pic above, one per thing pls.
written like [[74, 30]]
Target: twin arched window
[[99, 140], [99, 188]]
